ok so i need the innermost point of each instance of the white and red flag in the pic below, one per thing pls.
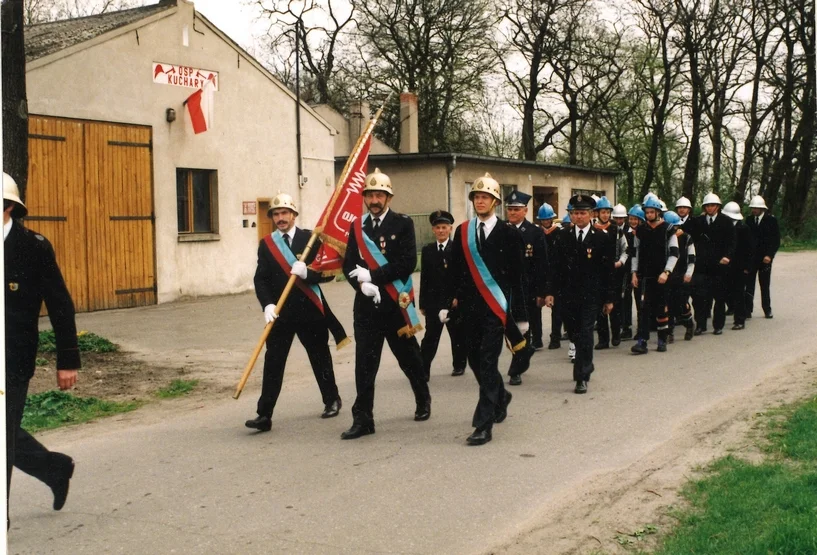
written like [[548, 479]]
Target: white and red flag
[[200, 107], [345, 206]]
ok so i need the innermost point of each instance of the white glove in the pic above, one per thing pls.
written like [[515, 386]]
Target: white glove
[[269, 313], [444, 316], [299, 269], [523, 327], [370, 290], [361, 274]]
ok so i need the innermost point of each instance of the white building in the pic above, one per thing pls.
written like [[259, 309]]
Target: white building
[[140, 209]]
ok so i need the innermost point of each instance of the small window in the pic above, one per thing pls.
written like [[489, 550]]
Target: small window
[[197, 200]]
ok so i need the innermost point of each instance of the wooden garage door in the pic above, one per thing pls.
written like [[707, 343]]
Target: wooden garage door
[[90, 192]]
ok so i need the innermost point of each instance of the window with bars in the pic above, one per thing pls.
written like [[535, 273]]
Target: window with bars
[[197, 200]]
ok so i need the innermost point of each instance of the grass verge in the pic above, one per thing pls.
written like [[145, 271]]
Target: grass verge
[[177, 388], [87, 342], [769, 507], [52, 409]]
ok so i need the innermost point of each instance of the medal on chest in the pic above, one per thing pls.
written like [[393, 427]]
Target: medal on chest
[[528, 251], [589, 254], [382, 241]]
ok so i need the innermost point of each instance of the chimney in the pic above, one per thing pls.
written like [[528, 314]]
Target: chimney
[[359, 116], [409, 126]]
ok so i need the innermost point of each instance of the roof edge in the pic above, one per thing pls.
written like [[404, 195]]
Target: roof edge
[[423, 156]]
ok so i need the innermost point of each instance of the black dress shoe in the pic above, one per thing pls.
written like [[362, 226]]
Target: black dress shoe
[[581, 387], [458, 372], [626, 333], [538, 346], [554, 345], [60, 488], [700, 331], [515, 380], [503, 413], [769, 315], [423, 412], [688, 334], [739, 326], [599, 346], [260, 423], [718, 331], [616, 342], [358, 430], [332, 409], [479, 437]]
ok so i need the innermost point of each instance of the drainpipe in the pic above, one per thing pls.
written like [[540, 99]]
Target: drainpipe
[[451, 165]]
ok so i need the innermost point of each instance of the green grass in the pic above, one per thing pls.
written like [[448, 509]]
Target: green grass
[[792, 245], [746, 508], [53, 409], [87, 342], [177, 388]]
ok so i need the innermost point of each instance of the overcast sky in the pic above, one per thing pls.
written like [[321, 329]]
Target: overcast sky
[[233, 17]]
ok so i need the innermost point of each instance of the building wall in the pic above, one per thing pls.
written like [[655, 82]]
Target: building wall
[[251, 144]]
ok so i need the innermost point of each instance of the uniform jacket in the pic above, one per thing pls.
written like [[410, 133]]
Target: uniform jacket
[[712, 242], [436, 277], [503, 254], [583, 272], [743, 249], [765, 237], [395, 238], [32, 276], [270, 281], [535, 260]]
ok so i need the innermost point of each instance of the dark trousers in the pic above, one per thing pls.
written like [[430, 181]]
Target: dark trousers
[[556, 320], [653, 309], [431, 341], [736, 282], [521, 359], [314, 336], [763, 274], [710, 288], [611, 323], [535, 315], [579, 320], [627, 305], [371, 330], [22, 450], [486, 335], [680, 311]]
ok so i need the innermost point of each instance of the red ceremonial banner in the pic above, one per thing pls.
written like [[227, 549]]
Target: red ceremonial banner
[[345, 206]]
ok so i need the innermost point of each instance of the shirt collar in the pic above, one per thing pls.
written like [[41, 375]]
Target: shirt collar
[[381, 217], [291, 233], [7, 229], [585, 229], [760, 217], [490, 223]]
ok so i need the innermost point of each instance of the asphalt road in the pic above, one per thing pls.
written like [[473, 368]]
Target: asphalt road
[[187, 477]]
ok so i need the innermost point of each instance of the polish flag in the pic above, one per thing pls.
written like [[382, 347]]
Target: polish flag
[[200, 107]]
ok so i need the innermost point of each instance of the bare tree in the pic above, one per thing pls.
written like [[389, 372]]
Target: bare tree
[[319, 27], [40, 11], [15, 109]]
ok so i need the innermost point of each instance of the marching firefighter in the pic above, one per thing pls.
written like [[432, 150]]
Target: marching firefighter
[[380, 258], [582, 278], [306, 313], [436, 289], [766, 241], [547, 221], [534, 278], [680, 310], [488, 257], [739, 265], [612, 322], [656, 252]]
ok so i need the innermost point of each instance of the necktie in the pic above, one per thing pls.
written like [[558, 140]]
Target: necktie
[[376, 224], [481, 235], [441, 247], [581, 235], [710, 220], [287, 241], [757, 220]]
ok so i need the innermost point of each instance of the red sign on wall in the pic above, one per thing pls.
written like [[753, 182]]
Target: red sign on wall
[[183, 76]]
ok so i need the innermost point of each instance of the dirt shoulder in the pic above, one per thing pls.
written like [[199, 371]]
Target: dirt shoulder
[[603, 514]]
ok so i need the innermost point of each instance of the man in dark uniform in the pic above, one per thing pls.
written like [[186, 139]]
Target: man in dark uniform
[[305, 313], [547, 222], [380, 258], [714, 238], [680, 311], [635, 218], [739, 265], [534, 280], [488, 259], [766, 240], [436, 291], [32, 276], [583, 277]]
